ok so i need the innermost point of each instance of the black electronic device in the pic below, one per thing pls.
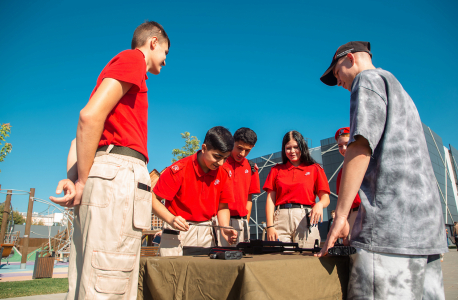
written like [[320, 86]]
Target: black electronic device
[[227, 255], [341, 250]]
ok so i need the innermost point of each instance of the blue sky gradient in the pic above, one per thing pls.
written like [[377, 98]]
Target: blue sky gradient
[[238, 64]]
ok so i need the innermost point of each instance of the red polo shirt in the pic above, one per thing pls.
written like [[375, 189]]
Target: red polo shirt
[[191, 193], [245, 183], [127, 124], [357, 200], [298, 185]]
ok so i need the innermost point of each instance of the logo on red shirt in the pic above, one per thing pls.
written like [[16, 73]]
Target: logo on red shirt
[[230, 174], [175, 168], [308, 173], [217, 181], [246, 171]]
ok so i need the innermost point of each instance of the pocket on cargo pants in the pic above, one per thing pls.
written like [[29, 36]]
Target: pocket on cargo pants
[[143, 199], [98, 190], [112, 274]]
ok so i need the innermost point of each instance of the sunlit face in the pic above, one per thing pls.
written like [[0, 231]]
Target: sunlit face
[[213, 159], [342, 142], [344, 73], [158, 55], [292, 151], [333, 215], [241, 150]]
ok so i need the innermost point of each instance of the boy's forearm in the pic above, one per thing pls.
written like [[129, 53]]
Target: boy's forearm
[[87, 140], [223, 215], [161, 211], [324, 199], [355, 165], [249, 205], [72, 171], [270, 208]]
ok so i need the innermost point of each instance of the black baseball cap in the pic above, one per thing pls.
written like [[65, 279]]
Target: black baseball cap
[[351, 47]]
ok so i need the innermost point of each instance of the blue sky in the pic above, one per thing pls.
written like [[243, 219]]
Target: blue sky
[[238, 64]]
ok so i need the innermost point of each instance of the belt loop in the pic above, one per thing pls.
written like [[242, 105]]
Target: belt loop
[[109, 149]]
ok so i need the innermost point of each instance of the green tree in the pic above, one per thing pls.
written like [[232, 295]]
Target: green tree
[[5, 129], [191, 146], [17, 217]]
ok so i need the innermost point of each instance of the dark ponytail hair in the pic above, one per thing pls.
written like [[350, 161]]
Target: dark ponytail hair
[[306, 158]]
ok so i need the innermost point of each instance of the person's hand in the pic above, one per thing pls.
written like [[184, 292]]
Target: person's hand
[[67, 186], [272, 234], [316, 214], [230, 235], [339, 229], [159, 234], [79, 185], [179, 223]]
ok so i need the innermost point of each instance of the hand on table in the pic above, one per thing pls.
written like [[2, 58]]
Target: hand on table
[[272, 234], [230, 235], [179, 223], [339, 229]]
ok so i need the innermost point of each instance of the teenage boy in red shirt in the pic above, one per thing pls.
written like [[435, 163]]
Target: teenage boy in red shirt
[[196, 189], [112, 198], [342, 137], [246, 183]]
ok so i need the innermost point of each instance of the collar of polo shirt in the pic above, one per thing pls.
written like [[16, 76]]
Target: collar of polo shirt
[[290, 166], [199, 170]]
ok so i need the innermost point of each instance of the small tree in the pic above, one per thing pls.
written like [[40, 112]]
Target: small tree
[[5, 129], [17, 217], [191, 146]]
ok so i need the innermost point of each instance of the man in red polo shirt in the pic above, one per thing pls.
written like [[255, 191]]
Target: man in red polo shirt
[[196, 189], [246, 183], [342, 137], [113, 194]]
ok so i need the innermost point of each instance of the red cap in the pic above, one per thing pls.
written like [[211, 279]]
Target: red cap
[[341, 131]]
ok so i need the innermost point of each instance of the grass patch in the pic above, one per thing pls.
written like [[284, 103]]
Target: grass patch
[[33, 287]]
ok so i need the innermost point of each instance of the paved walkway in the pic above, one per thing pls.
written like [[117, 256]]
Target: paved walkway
[[450, 272], [449, 269], [13, 271]]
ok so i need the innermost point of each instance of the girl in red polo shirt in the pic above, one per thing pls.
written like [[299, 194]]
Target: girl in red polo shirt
[[292, 187]]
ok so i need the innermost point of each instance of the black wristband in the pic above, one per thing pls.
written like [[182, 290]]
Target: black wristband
[[269, 226]]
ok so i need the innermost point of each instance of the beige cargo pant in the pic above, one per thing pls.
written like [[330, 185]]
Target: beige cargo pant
[[291, 226], [196, 236], [242, 235], [105, 250]]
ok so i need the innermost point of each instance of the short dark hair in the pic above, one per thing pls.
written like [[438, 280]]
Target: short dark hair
[[306, 158], [245, 135], [219, 138], [146, 30]]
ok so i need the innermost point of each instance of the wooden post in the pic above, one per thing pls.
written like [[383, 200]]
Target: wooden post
[[28, 223], [6, 215]]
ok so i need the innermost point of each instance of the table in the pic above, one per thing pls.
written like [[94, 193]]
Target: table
[[268, 276]]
